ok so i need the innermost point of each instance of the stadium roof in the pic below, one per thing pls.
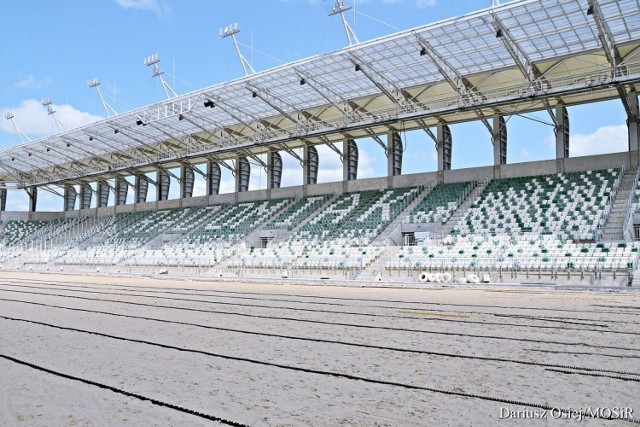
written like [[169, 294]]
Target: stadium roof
[[522, 56]]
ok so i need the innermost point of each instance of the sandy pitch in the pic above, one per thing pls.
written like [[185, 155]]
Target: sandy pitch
[[309, 355]]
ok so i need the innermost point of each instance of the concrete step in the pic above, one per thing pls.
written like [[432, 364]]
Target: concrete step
[[461, 211], [613, 229], [389, 230]]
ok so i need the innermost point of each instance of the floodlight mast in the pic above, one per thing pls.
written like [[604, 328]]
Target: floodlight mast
[[231, 31], [339, 8], [95, 82], [153, 61], [46, 102], [23, 138]]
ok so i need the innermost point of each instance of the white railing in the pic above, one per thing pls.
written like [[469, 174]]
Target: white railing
[[630, 211]]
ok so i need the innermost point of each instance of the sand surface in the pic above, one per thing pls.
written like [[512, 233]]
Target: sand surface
[[273, 354]]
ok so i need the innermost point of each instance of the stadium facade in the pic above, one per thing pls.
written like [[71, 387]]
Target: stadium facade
[[564, 219]]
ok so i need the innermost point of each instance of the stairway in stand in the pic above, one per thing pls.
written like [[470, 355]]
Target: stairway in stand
[[613, 229]]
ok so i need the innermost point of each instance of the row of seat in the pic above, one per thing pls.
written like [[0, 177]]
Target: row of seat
[[566, 204], [297, 212], [441, 202], [509, 252], [308, 256]]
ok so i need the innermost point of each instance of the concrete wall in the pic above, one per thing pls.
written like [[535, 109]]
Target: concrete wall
[[252, 196], [296, 192], [146, 206], [33, 216], [605, 161], [195, 201], [367, 184], [514, 170], [468, 174], [222, 198], [325, 188], [413, 180]]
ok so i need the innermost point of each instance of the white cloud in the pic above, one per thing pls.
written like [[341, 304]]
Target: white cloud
[[420, 4], [159, 7], [30, 82], [606, 139], [426, 3], [525, 154], [227, 186], [32, 118]]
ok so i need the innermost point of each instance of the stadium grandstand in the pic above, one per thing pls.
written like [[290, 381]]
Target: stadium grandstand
[[563, 220]]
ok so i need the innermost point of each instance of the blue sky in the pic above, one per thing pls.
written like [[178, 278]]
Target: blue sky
[[50, 49]]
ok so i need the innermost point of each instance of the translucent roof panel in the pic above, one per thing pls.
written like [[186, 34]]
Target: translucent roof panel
[[538, 30]]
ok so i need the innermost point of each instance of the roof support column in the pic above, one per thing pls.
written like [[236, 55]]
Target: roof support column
[[350, 156], [187, 177], [214, 175], [243, 174], [394, 156], [394, 153], [444, 145], [122, 188], [32, 192], [85, 196], [141, 187], [103, 194], [499, 140], [69, 198], [3, 199], [310, 163], [274, 170], [633, 121], [164, 183], [561, 129]]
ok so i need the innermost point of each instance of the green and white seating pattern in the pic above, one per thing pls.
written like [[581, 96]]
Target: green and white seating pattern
[[308, 257], [297, 212], [440, 203], [16, 231], [355, 218], [333, 216], [236, 222], [180, 255], [197, 217], [98, 227], [528, 252], [105, 254], [132, 230], [364, 227], [570, 205]]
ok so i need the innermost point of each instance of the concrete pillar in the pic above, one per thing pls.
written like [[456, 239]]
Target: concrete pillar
[[499, 140], [69, 198], [243, 174], [633, 121], [85, 196], [274, 170], [394, 153], [311, 161], [32, 192], [141, 188], [3, 198], [122, 188], [163, 181], [103, 194], [187, 177], [562, 132], [349, 160], [214, 175], [445, 144]]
